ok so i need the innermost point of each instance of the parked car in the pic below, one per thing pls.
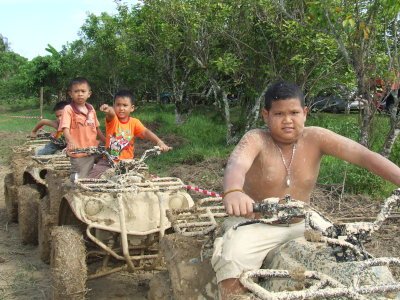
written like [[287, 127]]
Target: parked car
[[356, 105], [165, 98], [335, 104]]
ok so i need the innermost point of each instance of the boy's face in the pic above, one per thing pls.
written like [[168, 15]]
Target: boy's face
[[286, 120], [123, 108], [58, 114], [79, 93]]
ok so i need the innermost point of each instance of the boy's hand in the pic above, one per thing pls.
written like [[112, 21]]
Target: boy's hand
[[163, 147], [105, 108], [238, 204], [33, 134], [71, 146]]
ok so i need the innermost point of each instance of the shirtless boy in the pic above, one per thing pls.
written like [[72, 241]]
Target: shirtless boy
[[285, 159]]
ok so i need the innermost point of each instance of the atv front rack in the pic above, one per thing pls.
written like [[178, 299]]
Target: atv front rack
[[199, 220], [324, 286], [54, 161], [30, 145], [126, 183]]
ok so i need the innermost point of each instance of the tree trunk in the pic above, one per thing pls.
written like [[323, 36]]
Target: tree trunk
[[182, 108], [182, 105], [394, 126], [226, 109], [255, 111], [369, 110]]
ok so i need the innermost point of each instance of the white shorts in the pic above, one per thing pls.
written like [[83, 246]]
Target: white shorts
[[245, 248]]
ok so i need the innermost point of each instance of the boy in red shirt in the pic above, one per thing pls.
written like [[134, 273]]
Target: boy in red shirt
[[80, 127], [121, 131]]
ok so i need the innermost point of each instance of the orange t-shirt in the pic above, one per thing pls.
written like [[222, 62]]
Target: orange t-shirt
[[120, 137], [83, 127]]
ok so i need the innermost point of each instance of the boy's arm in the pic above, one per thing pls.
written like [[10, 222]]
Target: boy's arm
[[70, 142], [41, 123], [149, 135], [353, 152], [236, 202], [101, 135], [109, 111]]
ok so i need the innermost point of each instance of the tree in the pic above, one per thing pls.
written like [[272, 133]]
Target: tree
[[357, 28]]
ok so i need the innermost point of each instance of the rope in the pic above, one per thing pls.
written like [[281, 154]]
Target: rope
[[196, 189], [205, 192], [27, 117]]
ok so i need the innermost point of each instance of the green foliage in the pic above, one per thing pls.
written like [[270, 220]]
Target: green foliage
[[211, 48], [335, 171]]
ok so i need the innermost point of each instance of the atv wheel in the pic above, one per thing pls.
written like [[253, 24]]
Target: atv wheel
[[10, 198], [68, 263], [44, 226], [28, 201]]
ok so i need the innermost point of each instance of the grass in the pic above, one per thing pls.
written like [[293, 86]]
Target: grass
[[335, 171], [203, 136]]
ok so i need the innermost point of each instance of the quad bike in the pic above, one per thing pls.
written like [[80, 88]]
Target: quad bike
[[19, 160], [111, 224], [26, 187], [329, 262], [58, 184]]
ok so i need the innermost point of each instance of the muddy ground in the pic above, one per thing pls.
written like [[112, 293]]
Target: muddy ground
[[24, 276]]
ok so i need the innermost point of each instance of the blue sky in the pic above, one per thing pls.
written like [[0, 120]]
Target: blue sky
[[29, 25]]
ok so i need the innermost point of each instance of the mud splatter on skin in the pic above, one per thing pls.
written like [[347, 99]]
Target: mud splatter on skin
[[248, 141]]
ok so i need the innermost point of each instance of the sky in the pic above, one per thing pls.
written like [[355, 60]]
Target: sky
[[29, 25]]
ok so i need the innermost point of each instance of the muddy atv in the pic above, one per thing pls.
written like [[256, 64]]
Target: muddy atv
[[20, 159], [58, 184], [26, 187], [111, 224], [330, 261]]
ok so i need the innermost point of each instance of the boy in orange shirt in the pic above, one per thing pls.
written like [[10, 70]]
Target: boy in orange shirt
[[80, 126], [121, 131]]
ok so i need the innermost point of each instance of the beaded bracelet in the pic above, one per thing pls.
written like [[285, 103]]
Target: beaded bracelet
[[231, 191]]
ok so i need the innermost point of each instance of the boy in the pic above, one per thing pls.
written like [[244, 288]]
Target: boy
[[80, 127], [121, 131], [57, 142], [284, 159]]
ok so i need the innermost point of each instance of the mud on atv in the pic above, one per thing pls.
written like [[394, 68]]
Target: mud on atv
[[26, 189], [329, 262], [111, 224]]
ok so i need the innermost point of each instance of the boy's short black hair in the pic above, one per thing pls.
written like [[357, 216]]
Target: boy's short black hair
[[78, 80], [125, 93], [60, 105], [282, 90]]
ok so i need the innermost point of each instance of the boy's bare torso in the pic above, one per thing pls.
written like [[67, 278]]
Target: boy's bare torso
[[267, 175]]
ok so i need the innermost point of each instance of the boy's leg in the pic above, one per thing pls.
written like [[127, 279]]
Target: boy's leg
[[99, 168], [48, 149], [228, 288], [245, 249], [81, 166]]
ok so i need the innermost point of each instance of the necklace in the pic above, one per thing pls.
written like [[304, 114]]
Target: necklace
[[287, 166]]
